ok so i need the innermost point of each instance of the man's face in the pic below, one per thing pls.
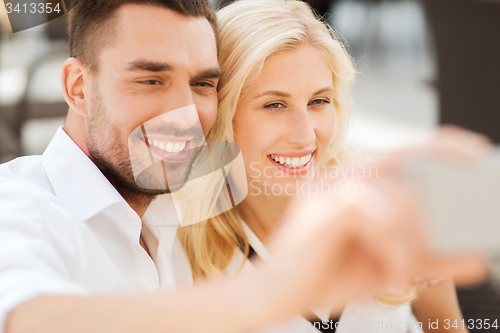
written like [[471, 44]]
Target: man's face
[[161, 61]]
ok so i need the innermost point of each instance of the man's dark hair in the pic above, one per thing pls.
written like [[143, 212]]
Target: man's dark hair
[[90, 25]]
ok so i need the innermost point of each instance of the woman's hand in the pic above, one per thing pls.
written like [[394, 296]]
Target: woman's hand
[[332, 249]]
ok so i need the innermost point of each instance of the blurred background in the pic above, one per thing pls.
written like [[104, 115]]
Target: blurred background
[[420, 63]]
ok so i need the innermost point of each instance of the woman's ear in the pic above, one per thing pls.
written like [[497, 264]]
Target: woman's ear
[[73, 77]]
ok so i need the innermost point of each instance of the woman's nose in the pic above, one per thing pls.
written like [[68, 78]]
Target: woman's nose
[[301, 129]]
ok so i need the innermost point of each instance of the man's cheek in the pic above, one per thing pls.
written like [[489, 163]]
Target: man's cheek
[[207, 118]]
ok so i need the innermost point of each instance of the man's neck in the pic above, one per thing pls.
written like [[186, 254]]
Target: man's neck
[[74, 126], [139, 209]]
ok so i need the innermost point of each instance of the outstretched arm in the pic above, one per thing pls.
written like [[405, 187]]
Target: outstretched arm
[[329, 251], [439, 303], [221, 307]]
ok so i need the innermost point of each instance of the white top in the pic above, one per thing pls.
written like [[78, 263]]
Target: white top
[[64, 229], [363, 316]]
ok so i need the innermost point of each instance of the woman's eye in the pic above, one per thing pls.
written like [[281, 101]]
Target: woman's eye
[[274, 105], [320, 101]]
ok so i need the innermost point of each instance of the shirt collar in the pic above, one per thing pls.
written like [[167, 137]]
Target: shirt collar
[[255, 242], [76, 180], [163, 219]]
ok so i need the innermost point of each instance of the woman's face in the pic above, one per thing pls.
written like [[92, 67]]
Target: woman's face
[[284, 121]]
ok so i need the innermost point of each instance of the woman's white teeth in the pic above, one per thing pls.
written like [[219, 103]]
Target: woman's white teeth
[[169, 147], [292, 162]]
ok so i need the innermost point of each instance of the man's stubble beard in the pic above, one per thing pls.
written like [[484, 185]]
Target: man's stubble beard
[[113, 160]]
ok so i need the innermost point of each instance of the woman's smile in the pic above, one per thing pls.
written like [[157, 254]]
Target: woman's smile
[[293, 163]]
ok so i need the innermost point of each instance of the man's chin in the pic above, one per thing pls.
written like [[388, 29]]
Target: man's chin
[[154, 180]]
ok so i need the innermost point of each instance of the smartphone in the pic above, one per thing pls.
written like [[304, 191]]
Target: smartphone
[[461, 203]]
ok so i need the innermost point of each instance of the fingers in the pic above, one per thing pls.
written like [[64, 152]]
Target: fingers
[[337, 246], [464, 270], [463, 141], [430, 281], [450, 142]]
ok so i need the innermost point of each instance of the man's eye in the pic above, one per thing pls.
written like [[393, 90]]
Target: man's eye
[[204, 84], [151, 82], [320, 101], [274, 105]]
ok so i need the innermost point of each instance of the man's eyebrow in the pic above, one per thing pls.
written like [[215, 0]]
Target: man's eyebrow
[[150, 66], [212, 73]]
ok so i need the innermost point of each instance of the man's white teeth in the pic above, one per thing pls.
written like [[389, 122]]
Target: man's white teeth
[[169, 147], [292, 162]]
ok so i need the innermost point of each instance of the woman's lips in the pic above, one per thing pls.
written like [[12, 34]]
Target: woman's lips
[[286, 164]]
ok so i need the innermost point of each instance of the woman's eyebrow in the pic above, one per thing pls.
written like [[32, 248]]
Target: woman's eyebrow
[[273, 93], [322, 90], [284, 94]]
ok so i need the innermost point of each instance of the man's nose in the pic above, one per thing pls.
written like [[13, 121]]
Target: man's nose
[[301, 128], [183, 110]]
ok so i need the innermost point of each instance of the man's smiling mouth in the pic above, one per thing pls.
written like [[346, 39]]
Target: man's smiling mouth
[[170, 149], [168, 146]]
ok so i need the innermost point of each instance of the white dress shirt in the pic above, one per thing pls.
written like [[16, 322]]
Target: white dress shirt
[[64, 229], [363, 316]]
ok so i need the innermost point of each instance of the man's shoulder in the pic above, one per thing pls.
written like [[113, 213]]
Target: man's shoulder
[[25, 205], [24, 186], [25, 174]]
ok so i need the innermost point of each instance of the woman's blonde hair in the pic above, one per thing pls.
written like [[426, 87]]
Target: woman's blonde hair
[[250, 31]]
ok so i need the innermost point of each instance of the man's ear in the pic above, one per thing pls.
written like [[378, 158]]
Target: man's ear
[[73, 79]]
